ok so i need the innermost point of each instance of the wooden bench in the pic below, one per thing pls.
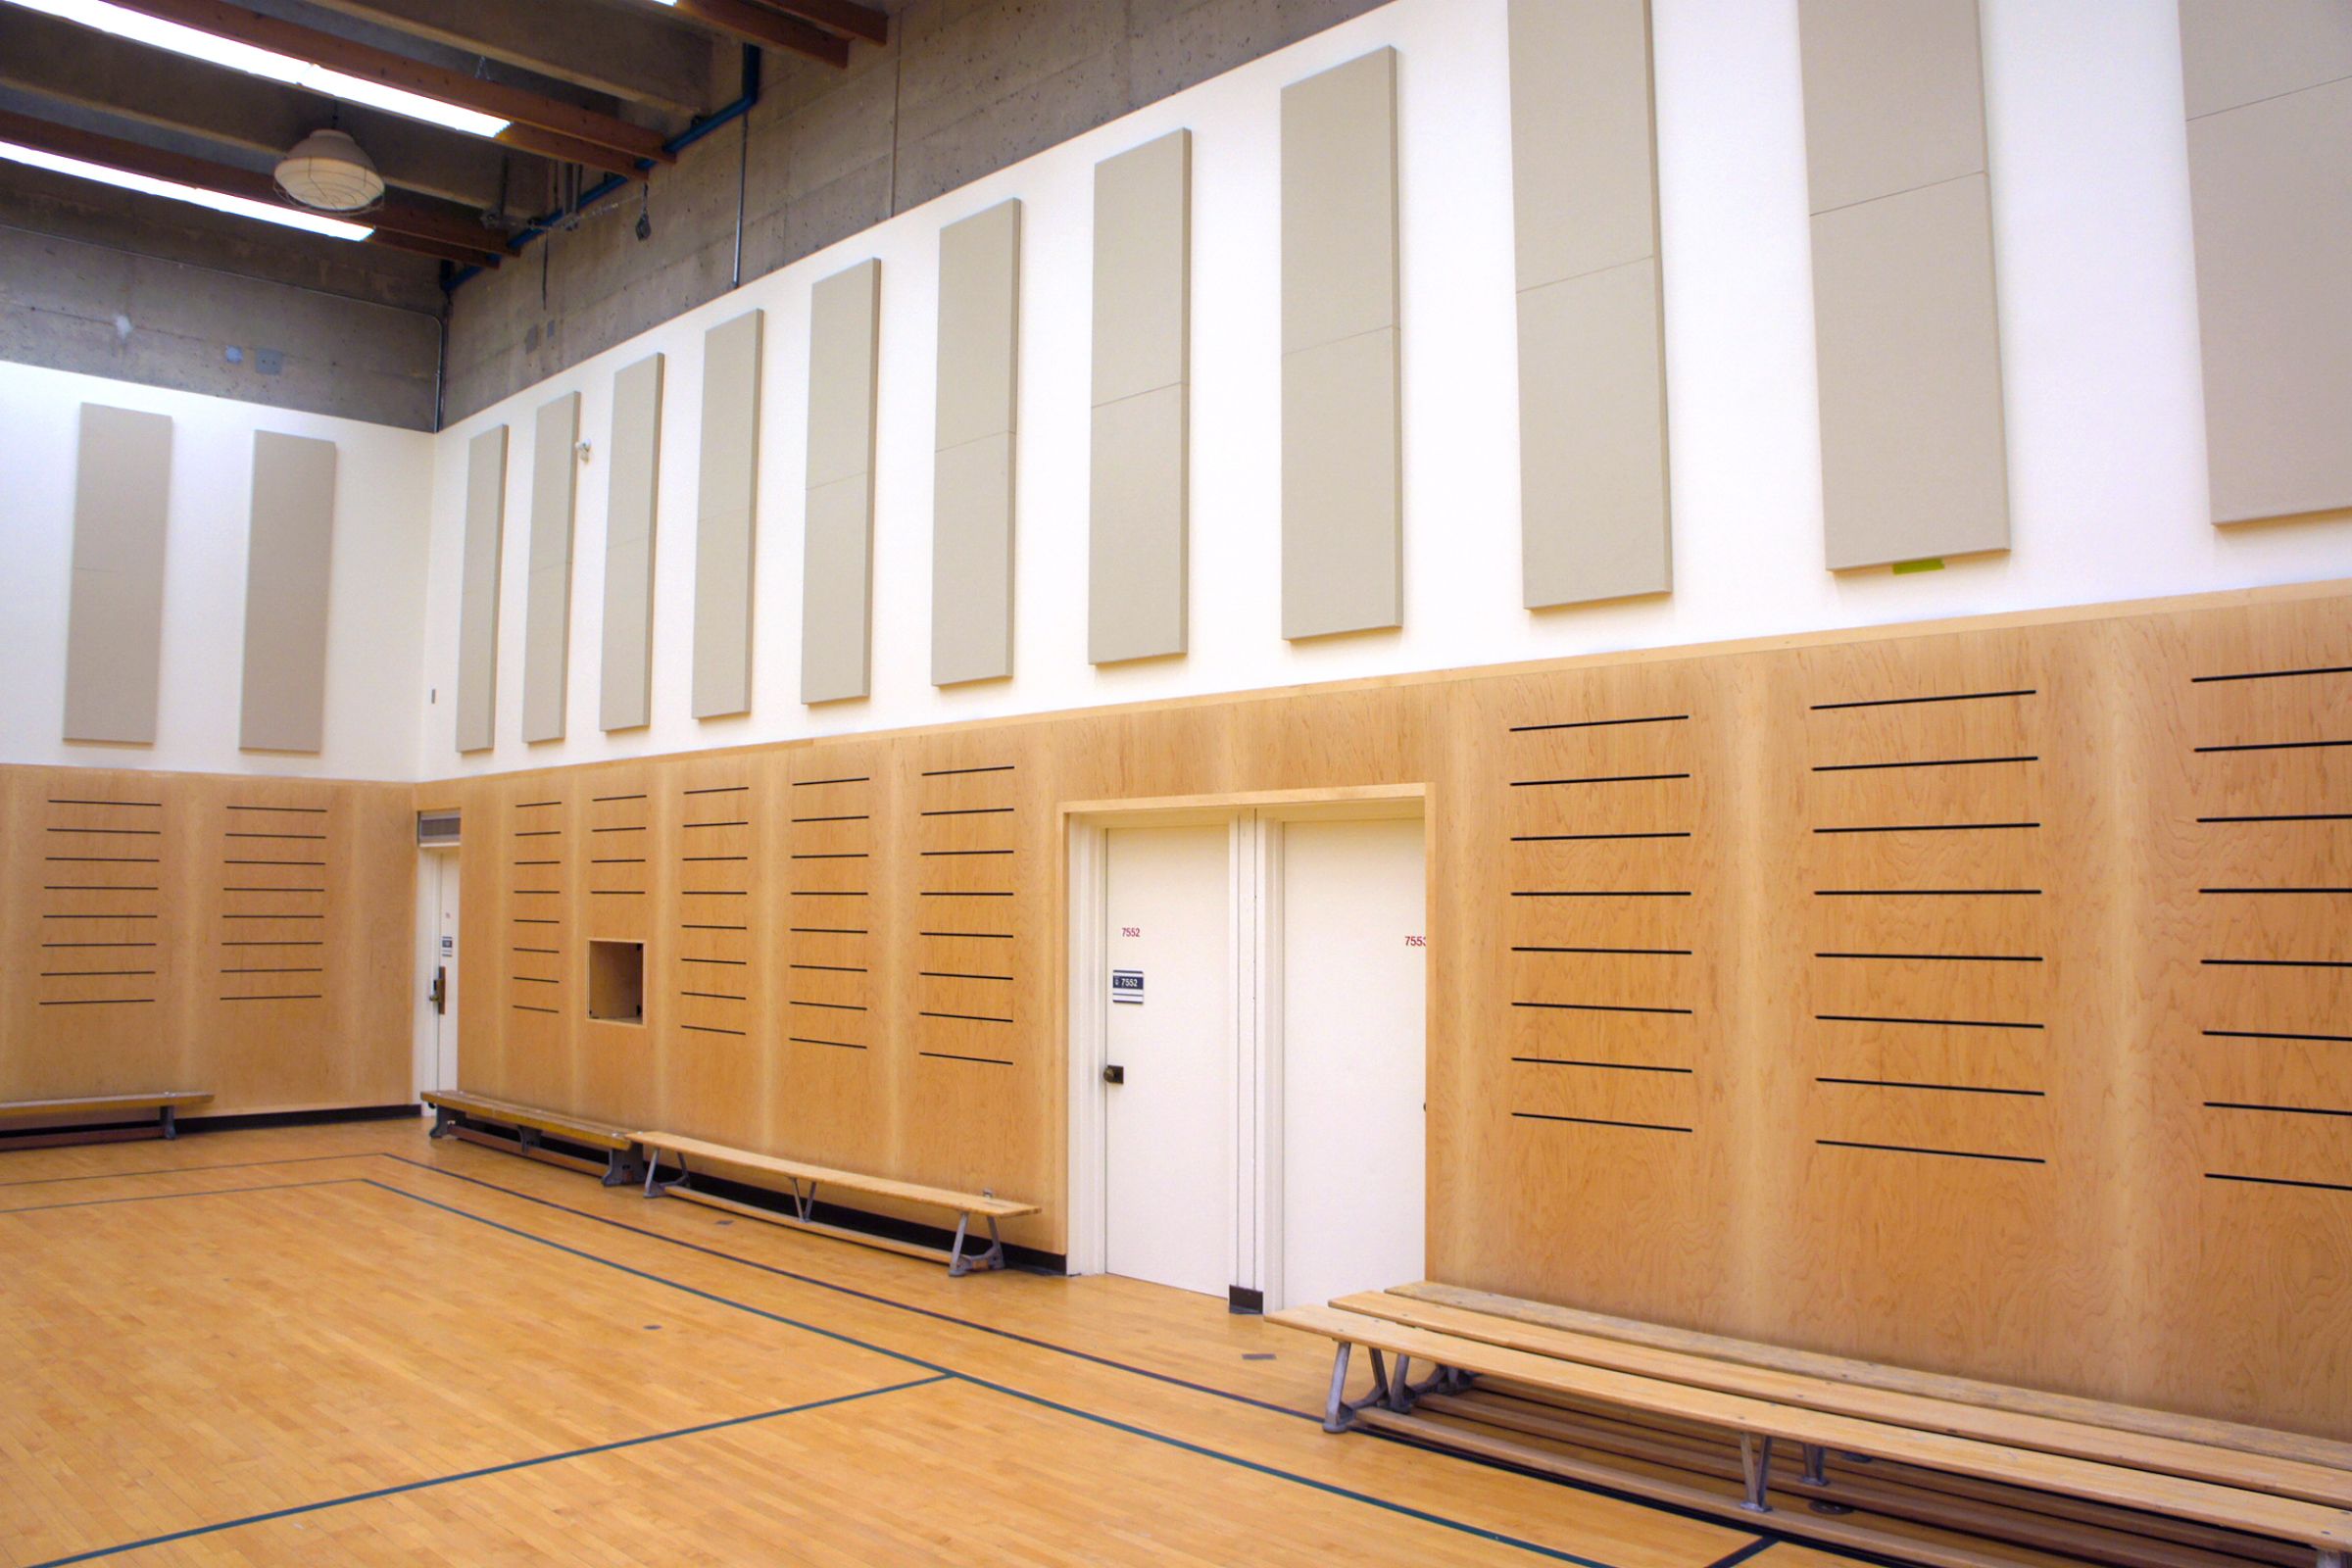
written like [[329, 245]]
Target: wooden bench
[[454, 1110], [803, 1179], [2295, 1496], [66, 1121]]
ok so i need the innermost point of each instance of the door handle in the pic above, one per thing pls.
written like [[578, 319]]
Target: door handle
[[1115, 1075], [439, 994]]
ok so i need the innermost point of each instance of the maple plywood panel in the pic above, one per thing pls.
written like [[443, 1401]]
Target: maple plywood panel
[[248, 937], [1948, 1093]]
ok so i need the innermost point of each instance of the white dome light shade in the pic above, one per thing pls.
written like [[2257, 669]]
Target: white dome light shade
[[330, 173]]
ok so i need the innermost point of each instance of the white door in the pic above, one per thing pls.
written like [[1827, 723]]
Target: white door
[[1168, 1186], [444, 960], [1353, 1057]]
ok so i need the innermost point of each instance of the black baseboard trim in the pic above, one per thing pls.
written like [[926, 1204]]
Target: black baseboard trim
[[1243, 1302], [300, 1118]]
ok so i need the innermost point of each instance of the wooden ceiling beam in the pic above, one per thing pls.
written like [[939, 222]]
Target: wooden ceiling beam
[[402, 222], [525, 110], [845, 17], [770, 29]]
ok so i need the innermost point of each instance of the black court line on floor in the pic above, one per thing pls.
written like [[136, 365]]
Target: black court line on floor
[[1478, 1532], [182, 1170], [376, 1494], [207, 1192], [1589, 1489], [1768, 1537]]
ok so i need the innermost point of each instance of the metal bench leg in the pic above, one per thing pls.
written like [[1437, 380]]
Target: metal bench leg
[[622, 1167], [1812, 1453], [2334, 1558], [1755, 1468], [655, 1187], [444, 1123], [171, 1127], [959, 1265], [801, 1201], [1337, 1415]]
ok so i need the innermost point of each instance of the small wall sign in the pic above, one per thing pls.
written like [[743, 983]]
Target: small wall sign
[[1127, 984]]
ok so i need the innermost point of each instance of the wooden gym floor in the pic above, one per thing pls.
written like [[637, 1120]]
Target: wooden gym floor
[[348, 1345]]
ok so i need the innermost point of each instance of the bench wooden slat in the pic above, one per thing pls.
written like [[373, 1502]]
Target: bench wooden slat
[[87, 1104], [827, 1176], [2050, 1434], [2231, 1507], [595, 1135], [2295, 1445]]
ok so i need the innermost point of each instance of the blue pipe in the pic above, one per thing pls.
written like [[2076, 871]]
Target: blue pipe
[[612, 184]]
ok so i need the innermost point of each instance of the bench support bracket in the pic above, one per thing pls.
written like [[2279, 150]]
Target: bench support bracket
[[1755, 1469], [445, 1122], [171, 1124], [2334, 1558], [654, 1186], [959, 1264], [1339, 1411], [1812, 1454]]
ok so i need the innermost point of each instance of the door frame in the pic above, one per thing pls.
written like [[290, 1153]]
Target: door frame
[[1255, 819], [435, 862]]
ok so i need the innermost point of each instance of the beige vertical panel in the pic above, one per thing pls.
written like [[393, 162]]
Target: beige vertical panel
[[971, 525], [837, 582], [547, 611], [724, 520], [289, 552], [1341, 484], [1136, 575], [2239, 52], [115, 615], [631, 505], [1912, 456], [1894, 96], [1906, 329], [1593, 514], [2269, 87], [477, 595]]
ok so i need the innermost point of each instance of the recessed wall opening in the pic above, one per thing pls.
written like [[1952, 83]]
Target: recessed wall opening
[[616, 981]]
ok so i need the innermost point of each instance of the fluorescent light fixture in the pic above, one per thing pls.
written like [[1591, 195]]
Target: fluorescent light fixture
[[149, 186], [213, 49]]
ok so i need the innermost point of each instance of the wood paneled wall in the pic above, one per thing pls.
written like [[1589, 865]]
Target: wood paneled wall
[[1974, 996], [251, 937]]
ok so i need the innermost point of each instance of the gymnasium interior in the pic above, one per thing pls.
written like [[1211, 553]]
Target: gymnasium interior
[[1294, 782]]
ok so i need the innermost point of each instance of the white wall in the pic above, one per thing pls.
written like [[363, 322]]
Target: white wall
[[377, 593], [2098, 335]]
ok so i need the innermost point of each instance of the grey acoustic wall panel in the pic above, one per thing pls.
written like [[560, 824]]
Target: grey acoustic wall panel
[[972, 519], [1894, 96], [1912, 461], [1342, 489], [1592, 471], [2239, 52], [115, 612], [289, 556], [2269, 87], [477, 593], [631, 509], [1136, 569], [837, 576], [1906, 326], [724, 523], [547, 609]]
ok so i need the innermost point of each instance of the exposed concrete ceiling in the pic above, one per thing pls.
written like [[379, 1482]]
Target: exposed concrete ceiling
[[605, 85]]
